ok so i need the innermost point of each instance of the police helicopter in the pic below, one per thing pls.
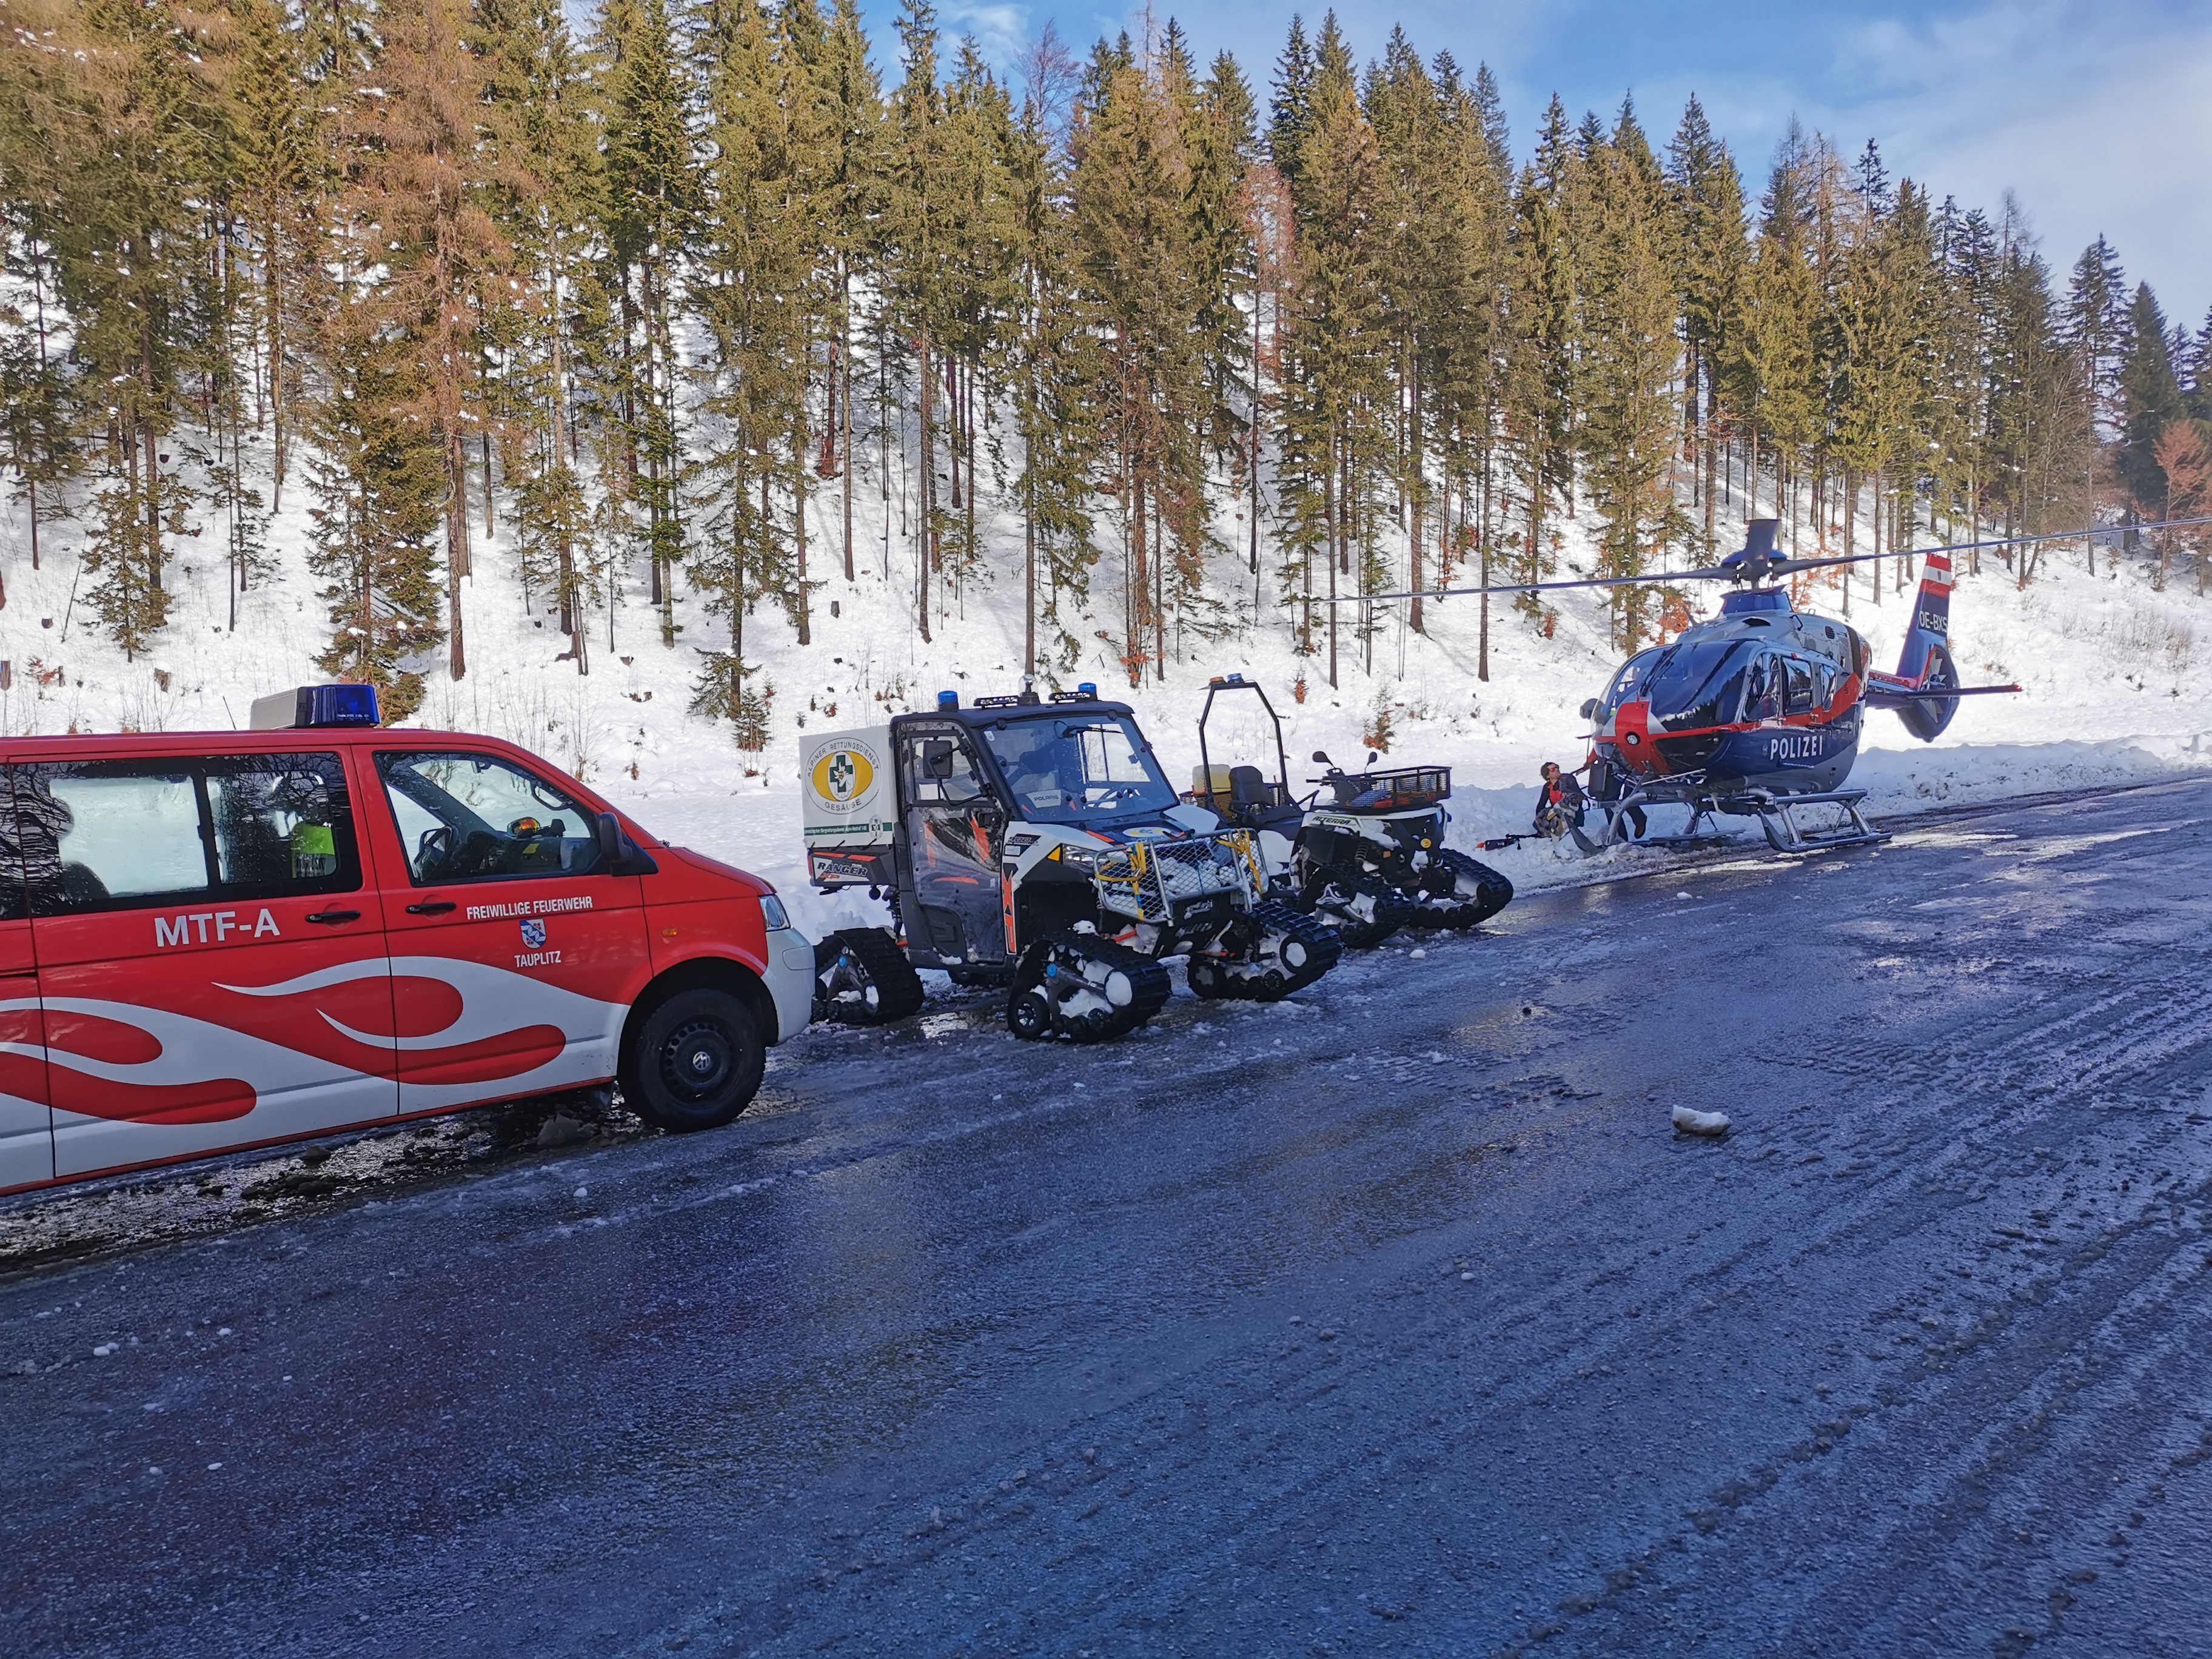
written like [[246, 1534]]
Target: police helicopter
[[1757, 713]]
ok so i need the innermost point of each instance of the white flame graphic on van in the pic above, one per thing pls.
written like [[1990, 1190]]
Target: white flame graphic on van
[[511, 1034]]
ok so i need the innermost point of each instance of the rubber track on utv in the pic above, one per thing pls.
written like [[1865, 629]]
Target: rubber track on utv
[[1390, 908], [1148, 980], [1320, 943], [1462, 909], [864, 959]]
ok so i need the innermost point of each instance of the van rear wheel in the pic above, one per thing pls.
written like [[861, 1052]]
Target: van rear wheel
[[695, 1062]]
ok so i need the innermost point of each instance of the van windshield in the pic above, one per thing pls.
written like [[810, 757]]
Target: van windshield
[[1065, 770]]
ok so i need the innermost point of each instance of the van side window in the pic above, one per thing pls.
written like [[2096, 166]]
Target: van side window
[[109, 834], [478, 818], [120, 834], [13, 906], [283, 825]]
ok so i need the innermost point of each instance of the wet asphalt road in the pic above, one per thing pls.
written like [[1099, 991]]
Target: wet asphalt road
[[1397, 1320]]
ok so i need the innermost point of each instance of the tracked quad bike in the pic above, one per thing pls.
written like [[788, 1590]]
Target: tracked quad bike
[[1370, 858], [1037, 844]]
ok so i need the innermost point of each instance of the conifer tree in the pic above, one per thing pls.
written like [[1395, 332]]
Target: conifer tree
[[851, 98], [283, 178], [917, 246], [2149, 401], [1540, 384], [376, 477], [1626, 368], [540, 166], [750, 281], [649, 202], [1130, 182], [1712, 255], [1340, 333], [1776, 371], [2097, 324], [414, 208], [1054, 370], [38, 391], [1290, 111], [131, 124], [1218, 137]]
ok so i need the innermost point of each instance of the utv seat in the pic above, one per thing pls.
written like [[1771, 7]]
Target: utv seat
[[1252, 804]]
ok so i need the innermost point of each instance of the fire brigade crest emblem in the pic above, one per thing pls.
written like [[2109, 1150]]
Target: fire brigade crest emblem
[[533, 935]]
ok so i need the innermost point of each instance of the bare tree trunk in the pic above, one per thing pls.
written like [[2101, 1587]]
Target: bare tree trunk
[[1332, 510], [1418, 489], [845, 369], [1029, 573], [1851, 520], [926, 555], [1711, 460], [1139, 579], [279, 431], [1254, 480], [1876, 565], [457, 554]]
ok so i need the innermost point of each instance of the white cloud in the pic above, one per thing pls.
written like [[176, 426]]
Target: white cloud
[[2100, 118], [1002, 30]]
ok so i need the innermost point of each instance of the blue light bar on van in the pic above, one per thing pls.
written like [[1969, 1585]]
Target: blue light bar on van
[[1087, 687], [315, 706], [948, 700]]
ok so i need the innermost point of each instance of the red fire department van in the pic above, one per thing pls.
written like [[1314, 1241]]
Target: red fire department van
[[216, 941]]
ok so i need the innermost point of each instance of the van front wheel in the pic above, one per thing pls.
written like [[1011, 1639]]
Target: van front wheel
[[695, 1062]]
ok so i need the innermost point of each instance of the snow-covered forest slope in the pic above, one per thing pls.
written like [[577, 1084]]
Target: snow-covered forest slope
[[656, 393]]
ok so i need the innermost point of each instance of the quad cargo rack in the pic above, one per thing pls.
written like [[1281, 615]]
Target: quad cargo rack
[[1401, 791]]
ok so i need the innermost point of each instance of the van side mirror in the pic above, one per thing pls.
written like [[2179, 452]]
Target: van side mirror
[[937, 758], [1589, 708], [618, 855]]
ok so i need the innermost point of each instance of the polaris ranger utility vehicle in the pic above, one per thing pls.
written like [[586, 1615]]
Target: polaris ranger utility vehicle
[[1370, 861], [1038, 844]]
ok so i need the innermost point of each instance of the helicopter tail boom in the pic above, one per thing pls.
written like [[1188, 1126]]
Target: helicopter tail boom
[[1931, 623], [1924, 692]]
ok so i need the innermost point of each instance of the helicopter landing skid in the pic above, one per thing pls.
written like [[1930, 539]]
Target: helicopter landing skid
[[1785, 835]]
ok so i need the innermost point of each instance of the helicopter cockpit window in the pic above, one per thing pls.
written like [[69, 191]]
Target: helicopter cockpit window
[[1628, 680], [1699, 684], [1066, 770], [1800, 684], [1763, 689]]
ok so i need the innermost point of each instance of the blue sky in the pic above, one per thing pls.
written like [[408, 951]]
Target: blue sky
[[2098, 116]]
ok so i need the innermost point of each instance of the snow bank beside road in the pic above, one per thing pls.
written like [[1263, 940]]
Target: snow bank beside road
[[756, 825]]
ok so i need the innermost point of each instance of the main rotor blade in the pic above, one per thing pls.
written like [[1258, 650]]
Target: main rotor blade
[[1789, 567], [1764, 570], [1705, 574]]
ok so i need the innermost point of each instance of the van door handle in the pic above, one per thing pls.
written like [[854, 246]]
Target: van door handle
[[332, 918], [432, 908]]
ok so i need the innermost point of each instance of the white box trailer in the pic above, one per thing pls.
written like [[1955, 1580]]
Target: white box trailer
[[850, 807]]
